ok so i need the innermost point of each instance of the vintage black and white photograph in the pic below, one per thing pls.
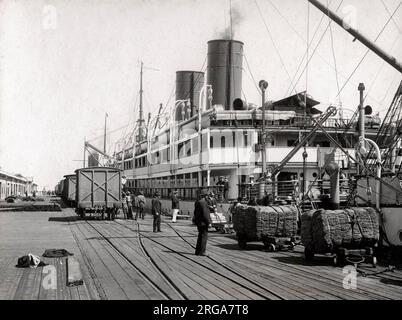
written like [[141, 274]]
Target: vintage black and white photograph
[[200, 150]]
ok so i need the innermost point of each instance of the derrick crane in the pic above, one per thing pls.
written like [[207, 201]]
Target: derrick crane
[[331, 111]]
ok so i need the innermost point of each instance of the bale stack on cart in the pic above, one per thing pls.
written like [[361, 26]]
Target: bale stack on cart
[[275, 226], [348, 235]]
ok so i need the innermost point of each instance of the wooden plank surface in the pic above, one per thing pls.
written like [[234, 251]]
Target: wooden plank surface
[[115, 264]]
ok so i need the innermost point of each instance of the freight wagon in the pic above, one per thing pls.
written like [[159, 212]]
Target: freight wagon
[[98, 191], [69, 189]]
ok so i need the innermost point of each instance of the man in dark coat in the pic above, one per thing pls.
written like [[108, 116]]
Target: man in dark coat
[[226, 189], [156, 212], [202, 220]]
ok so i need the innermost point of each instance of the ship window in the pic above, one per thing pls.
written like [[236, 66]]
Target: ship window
[[222, 142], [291, 143], [245, 138], [188, 148], [195, 145], [180, 150], [211, 142], [234, 138]]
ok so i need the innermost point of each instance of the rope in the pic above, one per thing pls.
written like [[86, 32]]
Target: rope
[[393, 20], [368, 50], [272, 40], [307, 60], [318, 43], [251, 74], [335, 63]]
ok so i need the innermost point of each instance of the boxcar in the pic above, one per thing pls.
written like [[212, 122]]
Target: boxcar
[[61, 188], [98, 191], [69, 189]]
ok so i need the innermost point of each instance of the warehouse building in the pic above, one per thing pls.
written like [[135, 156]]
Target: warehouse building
[[15, 184]]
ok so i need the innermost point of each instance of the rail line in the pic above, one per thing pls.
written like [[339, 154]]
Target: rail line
[[163, 275], [211, 269]]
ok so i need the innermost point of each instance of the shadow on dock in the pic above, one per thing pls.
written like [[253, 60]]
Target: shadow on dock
[[392, 282], [63, 219]]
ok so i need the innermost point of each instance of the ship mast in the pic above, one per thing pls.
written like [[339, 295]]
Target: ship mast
[[355, 33], [141, 119]]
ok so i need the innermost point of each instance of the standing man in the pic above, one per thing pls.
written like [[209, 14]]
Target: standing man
[[140, 205], [225, 189], [175, 206], [134, 202], [202, 220], [124, 205], [220, 185], [156, 212], [212, 203], [129, 206]]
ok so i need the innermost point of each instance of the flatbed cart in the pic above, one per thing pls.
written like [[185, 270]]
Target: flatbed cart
[[270, 243], [341, 256], [220, 223]]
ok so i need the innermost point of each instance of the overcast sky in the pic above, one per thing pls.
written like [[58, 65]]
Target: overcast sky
[[64, 63]]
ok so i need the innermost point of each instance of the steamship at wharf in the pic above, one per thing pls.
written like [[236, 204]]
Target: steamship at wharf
[[213, 133]]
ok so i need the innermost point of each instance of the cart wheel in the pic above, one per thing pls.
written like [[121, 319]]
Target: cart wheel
[[335, 261], [308, 254], [374, 263], [271, 247]]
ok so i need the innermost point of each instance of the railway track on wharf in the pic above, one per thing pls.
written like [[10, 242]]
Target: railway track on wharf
[[306, 275], [222, 272], [155, 277]]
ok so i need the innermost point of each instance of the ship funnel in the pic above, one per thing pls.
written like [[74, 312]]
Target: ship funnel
[[188, 86], [224, 72]]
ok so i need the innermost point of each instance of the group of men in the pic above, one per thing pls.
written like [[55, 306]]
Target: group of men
[[202, 211], [133, 203], [223, 185]]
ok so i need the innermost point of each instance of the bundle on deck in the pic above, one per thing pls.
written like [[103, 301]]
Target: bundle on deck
[[325, 230], [256, 222]]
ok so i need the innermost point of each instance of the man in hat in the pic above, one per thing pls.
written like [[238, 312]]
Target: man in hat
[[175, 205], [124, 205], [202, 220], [156, 212], [140, 206], [220, 185], [129, 205], [225, 188]]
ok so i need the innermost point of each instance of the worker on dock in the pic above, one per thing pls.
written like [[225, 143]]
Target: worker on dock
[[220, 184], [212, 203], [124, 204], [129, 205], [225, 189], [233, 208], [156, 212], [202, 220], [175, 205], [140, 206]]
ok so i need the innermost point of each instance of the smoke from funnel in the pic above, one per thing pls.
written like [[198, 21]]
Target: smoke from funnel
[[235, 19]]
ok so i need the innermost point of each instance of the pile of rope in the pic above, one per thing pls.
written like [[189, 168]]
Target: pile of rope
[[256, 222], [325, 230]]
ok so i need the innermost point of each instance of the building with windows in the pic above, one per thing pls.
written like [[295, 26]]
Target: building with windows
[[15, 185]]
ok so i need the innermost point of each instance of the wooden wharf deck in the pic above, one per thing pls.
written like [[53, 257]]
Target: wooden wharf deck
[[124, 259]]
